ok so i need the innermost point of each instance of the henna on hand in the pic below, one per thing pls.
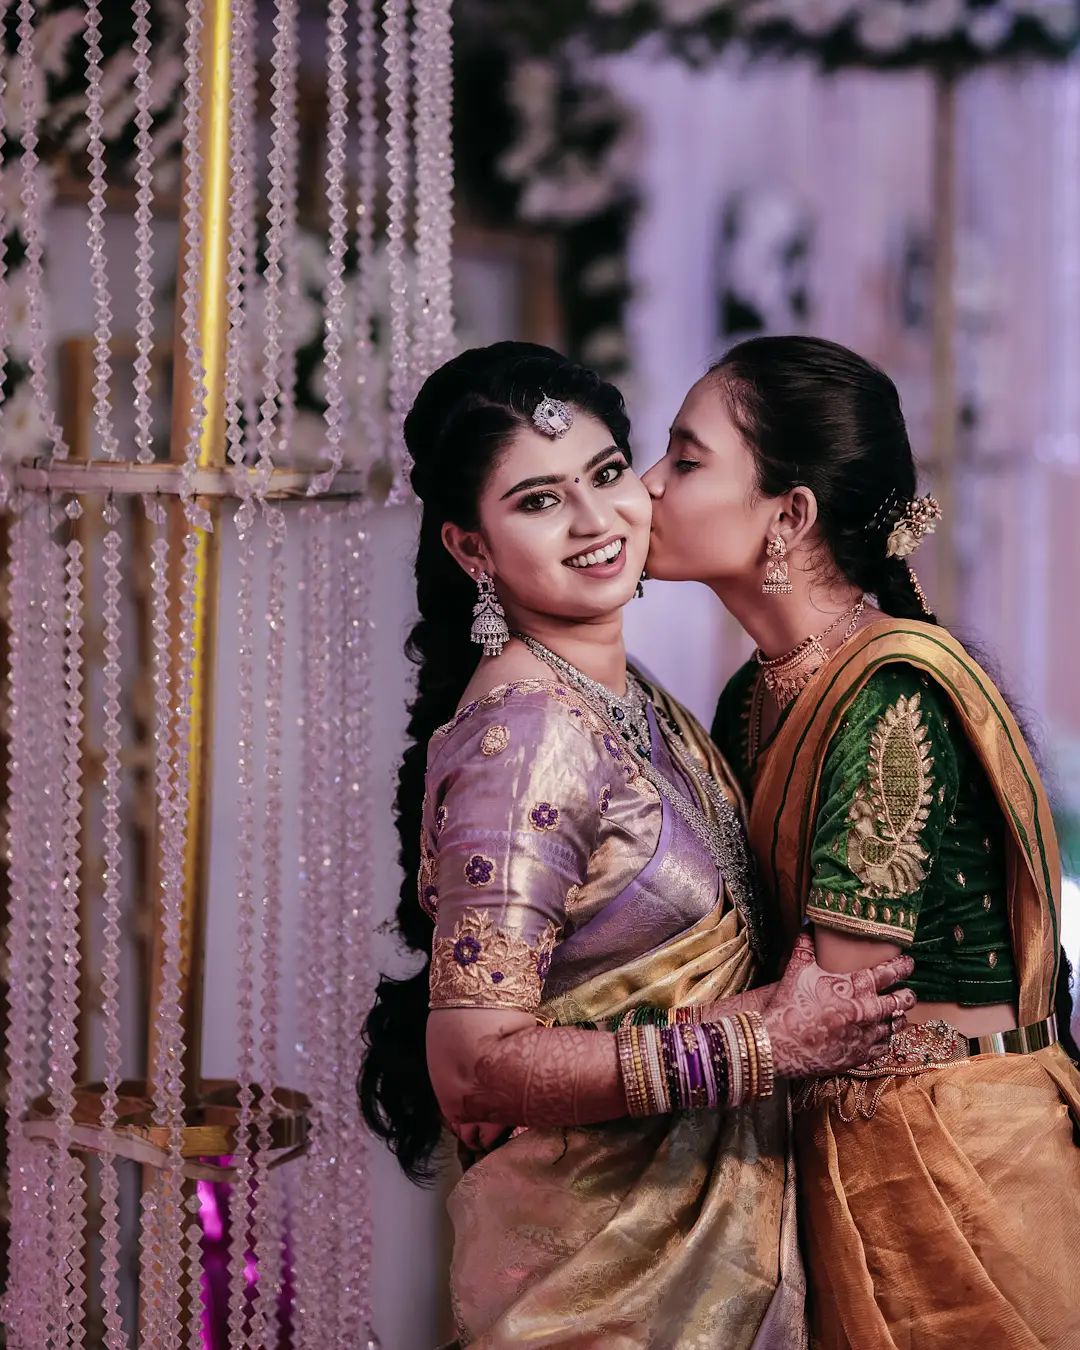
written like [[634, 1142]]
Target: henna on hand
[[822, 1023], [751, 1000], [546, 1076]]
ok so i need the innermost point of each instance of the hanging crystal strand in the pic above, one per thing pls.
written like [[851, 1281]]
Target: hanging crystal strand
[[65, 1029], [163, 1201], [5, 481], [282, 118], [32, 230], [316, 1273], [110, 956], [96, 231], [334, 295], [290, 253], [432, 52], [398, 159], [370, 419], [268, 1216], [241, 239], [240, 1200], [144, 231], [28, 1171], [191, 283], [357, 987]]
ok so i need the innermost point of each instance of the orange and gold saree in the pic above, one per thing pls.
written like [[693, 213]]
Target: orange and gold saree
[[947, 1215]]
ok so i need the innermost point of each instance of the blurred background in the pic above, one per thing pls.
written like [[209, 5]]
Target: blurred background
[[642, 183]]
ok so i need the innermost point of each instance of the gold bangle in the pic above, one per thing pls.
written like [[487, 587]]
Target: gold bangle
[[744, 1058], [635, 1105], [658, 1092], [639, 1067], [751, 1050], [765, 1054], [735, 1078]]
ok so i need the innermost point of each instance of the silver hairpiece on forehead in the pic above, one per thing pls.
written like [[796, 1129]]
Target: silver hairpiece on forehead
[[553, 417]]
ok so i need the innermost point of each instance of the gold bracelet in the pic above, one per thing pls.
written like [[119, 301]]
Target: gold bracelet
[[744, 1057], [735, 1077], [642, 1071], [765, 1054], [635, 1103], [751, 1050], [658, 1091]]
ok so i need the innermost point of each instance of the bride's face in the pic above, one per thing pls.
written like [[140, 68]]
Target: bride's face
[[564, 524], [710, 523]]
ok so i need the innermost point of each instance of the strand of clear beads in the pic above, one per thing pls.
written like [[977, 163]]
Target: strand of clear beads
[[96, 231], [193, 1271], [370, 421], [163, 1202], [66, 996], [63, 719], [240, 1200], [111, 933], [316, 1270], [398, 161], [357, 988], [334, 294], [43, 708], [290, 253], [432, 53], [144, 230], [32, 230], [28, 1246], [191, 285], [268, 1218], [238, 263], [5, 481], [282, 117]]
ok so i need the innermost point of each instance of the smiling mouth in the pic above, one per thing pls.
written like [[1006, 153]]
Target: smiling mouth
[[597, 557]]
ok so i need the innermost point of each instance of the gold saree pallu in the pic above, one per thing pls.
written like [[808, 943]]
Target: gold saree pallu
[[940, 1203]]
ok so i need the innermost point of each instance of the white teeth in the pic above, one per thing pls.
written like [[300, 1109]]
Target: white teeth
[[602, 555]]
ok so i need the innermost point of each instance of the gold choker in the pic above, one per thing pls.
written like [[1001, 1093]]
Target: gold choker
[[788, 675]]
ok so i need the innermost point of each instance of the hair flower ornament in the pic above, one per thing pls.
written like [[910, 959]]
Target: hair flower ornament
[[919, 518]]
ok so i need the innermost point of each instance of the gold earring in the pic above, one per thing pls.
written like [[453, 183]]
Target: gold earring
[[776, 580]]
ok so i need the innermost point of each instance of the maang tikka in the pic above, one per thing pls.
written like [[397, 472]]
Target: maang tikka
[[489, 627]]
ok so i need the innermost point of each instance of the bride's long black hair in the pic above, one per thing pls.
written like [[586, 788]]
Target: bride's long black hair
[[463, 418], [814, 413]]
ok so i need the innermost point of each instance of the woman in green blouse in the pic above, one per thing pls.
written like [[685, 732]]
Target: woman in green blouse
[[893, 804]]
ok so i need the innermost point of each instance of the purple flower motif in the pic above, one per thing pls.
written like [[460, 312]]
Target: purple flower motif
[[440, 819], [544, 816], [543, 965], [429, 901], [467, 950], [479, 870], [614, 749], [497, 977], [605, 799]]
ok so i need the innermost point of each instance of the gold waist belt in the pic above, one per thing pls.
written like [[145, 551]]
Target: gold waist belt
[[916, 1048]]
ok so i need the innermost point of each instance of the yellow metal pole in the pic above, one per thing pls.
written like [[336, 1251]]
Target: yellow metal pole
[[212, 318]]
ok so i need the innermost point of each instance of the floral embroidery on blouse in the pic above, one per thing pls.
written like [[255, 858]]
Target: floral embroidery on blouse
[[425, 883], [479, 870], [544, 816], [495, 740], [604, 803], [481, 965], [441, 817], [890, 809]]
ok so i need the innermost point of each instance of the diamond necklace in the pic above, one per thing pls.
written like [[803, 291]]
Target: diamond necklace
[[724, 840]]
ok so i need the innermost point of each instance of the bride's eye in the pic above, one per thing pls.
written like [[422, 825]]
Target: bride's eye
[[684, 465], [538, 501], [610, 473]]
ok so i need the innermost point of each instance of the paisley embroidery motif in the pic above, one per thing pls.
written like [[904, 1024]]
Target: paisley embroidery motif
[[889, 810], [482, 966], [495, 740]]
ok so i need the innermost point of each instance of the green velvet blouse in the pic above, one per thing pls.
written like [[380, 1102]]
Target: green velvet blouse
[[908, 839]]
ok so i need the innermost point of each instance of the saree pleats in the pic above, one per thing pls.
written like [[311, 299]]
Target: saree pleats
[[949, 1219]]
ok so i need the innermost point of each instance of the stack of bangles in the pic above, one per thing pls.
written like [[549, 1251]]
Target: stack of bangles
[[692, 1067]]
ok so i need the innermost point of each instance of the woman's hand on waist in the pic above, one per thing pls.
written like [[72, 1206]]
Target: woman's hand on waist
[[821, 1023]]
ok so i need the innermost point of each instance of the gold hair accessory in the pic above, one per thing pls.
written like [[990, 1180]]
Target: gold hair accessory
[[553, 417], [920, 517]]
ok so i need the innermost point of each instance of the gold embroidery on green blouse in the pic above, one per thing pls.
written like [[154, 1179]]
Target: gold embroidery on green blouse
[[833, 909], [483, 966], [890, 809]]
